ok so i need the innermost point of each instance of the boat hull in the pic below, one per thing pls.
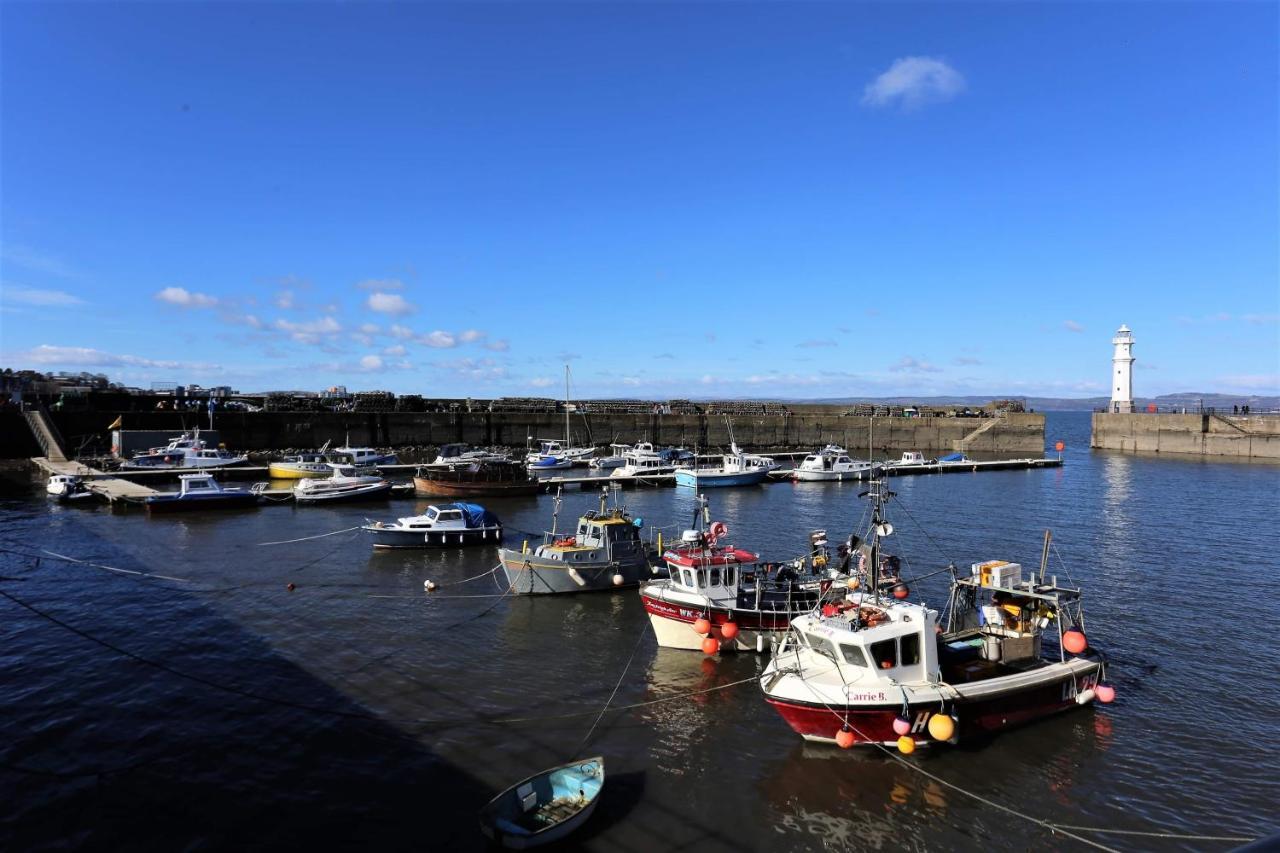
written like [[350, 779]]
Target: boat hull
[[506, 818], [673, 625], [802, 476], [289, 471], [985, 713], [369, 493], [711, 480], [391, 538], [478, 488], [164, 504], [529, 574]]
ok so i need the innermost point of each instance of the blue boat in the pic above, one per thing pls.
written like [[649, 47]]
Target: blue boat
[[200, 491], [735, 469], [546, 807]]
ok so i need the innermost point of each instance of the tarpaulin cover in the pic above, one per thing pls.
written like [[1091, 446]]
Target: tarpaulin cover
[[476, 515]]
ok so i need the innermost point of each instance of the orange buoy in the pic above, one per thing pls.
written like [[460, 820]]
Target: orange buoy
[[1074, 641], [901, 591], [710, 646], [941, 727], [1060, 446], [906, 745], [1105, 693], [702, 625], [844, 738], [729, 630]]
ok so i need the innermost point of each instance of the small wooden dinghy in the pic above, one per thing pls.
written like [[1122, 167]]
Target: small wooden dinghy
[[545, 807]]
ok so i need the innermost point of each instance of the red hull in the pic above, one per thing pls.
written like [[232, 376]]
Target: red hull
[[874, 724], [749, 620]]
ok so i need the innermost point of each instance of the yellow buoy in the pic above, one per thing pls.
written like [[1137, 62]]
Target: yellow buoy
[[941, 727], [906, 745]]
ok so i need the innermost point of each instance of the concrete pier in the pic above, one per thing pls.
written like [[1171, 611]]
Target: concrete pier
[[1202, 434]]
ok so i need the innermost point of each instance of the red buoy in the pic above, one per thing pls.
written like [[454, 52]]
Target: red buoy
[[901, 591], [702, 625], [901, 725], [1105, 693], [1074, 641], [289, 586], [844, 738], [729, 630], [710, 646]]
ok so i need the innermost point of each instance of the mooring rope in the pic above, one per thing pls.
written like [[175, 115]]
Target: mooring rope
[[307, 538], [65, 558]]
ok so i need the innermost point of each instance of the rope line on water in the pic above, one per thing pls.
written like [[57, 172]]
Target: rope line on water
[[616, 687], [1142, 834], [307, 538], [65, 558]]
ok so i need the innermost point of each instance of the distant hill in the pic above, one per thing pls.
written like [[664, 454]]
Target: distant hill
[[1190, 400]]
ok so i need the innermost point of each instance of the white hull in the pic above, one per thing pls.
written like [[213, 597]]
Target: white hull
[[803, 476]]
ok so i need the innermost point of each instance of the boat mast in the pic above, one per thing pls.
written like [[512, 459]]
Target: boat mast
[[567, 443]]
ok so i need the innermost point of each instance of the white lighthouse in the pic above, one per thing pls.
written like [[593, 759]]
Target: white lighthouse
[[1122, 372]]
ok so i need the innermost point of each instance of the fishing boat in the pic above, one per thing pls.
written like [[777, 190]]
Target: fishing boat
[[185, 451], [909, 458], [645, 460], [616, 459], [546, 807], [347, 483], [878, 669], [463, 454], [831, 463], [553, 454], [604, 552], [734, 469], [66, 488], [200, 492], [717, 592], [303, 466], [483, 478], [365, 456], [439, 526]]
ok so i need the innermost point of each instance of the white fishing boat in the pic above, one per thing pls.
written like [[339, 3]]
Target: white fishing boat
[[463, 454], [347, 483], [185, 451], [302, 466], [616, 459], [830, 463], [733, 469], [878, 669], [449, 524], [67, 487], [365, 456], [554, 454]]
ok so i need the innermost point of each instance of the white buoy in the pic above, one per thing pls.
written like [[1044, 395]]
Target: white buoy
[[429, 586], [618, 580], [1084, 697]]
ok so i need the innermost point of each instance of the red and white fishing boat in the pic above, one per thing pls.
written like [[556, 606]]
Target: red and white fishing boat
[[874, 669], [720, 598]]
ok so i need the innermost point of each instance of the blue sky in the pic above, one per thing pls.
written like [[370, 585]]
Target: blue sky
[[796, 200]]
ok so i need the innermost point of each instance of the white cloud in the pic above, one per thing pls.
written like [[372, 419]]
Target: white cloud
[[284, 299], [381, 284], [541, 382], [371, 329], [370, 362], [184, 298], [477, 369], [439, 340], [37, 261], [1072, 326], [47, 354], [914, 81], [389, 303], [404, 333], [470, 336], [967, 359], [311, 332], [499, 345], [40, 298], [907, 364], [398, 349]]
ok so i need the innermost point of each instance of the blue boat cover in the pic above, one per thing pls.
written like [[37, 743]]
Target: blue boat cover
[[476, 515], [952, 457]]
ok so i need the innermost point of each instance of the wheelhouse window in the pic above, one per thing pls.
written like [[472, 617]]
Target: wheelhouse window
[[885, 654], [853, 655], [910, 650], [715, 577], [730, 575], [688, 577]]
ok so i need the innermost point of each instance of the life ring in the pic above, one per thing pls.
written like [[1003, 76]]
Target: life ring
[[567, 542], [717, 530]]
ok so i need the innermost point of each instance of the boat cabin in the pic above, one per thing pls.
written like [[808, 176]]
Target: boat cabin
[[912, 457], [608, 535], [875, 644], [198, 484]]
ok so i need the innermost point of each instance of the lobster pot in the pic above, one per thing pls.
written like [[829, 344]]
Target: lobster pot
[[997, 573]]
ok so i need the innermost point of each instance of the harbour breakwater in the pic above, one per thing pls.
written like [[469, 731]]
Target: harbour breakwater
[[1012, 433], [1203, 434]]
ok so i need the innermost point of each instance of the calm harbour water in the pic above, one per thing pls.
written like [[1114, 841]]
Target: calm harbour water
[[359, 711]]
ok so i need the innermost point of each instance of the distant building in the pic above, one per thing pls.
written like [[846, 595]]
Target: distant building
[[1122, 372]]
